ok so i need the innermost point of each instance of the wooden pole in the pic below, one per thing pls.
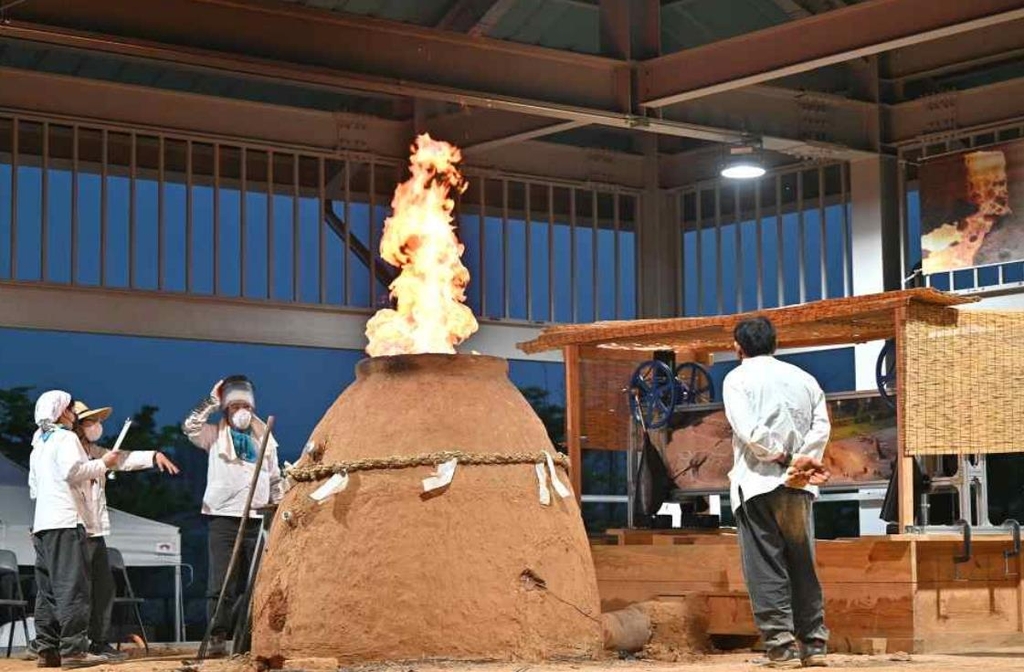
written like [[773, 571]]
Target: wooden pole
[[574, 416], [905, 463]]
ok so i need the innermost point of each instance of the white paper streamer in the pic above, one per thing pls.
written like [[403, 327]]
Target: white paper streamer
[[562, 491], [542, 477], [289, 483], [333, 485], [442, 476]]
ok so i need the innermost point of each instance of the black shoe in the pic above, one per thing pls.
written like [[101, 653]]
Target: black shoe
[[108, 652], [812, 654], [786, 657], [79, 660], [48, 659]]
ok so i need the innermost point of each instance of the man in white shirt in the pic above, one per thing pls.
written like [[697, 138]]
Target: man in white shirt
[[89, 429], [780, 429], [59, 475], [233, 447]]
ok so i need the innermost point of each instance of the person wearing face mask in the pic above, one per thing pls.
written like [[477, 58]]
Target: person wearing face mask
[[233, 447], [89, 429], [60, 475]]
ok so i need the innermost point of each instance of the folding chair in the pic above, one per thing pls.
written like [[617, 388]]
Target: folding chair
[[16, 601], [127, 598]]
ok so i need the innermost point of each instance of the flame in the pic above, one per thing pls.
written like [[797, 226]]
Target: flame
[[430, 314]]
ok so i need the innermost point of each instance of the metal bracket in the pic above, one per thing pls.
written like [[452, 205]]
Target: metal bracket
[[1014, 551], [965, 556]]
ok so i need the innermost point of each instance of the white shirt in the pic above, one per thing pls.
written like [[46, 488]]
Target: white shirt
[[228, 476], [59, 479], [98, 522], [773, 408]]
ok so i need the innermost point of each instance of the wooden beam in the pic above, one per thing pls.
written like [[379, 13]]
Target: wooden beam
[[475, 17], [95, 310], [574, 417], [793, 47], [904, 462]]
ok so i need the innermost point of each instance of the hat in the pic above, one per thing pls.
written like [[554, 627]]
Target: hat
[[237, 388], [96, 414], [50, 406]]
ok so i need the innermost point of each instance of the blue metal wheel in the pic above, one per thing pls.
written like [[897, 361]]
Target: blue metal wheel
[[653, 393]]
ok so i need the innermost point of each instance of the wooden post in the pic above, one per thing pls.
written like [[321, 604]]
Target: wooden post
[[904, 463], [574, 416]]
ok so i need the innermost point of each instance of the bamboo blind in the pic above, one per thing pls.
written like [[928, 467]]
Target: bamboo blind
[[962, 385]]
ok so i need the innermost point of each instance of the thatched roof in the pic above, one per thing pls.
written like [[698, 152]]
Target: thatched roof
[[855, 319]]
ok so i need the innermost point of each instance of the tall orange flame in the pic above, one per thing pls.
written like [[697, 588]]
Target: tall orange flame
[[430, 314]]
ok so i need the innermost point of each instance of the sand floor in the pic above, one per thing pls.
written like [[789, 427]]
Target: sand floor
[[997, 660]]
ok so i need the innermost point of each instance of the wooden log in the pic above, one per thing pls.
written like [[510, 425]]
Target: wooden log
[[627, 629]]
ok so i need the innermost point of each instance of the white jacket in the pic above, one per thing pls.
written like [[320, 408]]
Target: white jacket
[[98, 523], [227, 475], [774, 408], [60, 477]]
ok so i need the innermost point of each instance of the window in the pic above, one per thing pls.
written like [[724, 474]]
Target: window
[[127, 209], [779, 240]]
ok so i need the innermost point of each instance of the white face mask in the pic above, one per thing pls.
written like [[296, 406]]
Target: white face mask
[[93, 432], [241, 419]]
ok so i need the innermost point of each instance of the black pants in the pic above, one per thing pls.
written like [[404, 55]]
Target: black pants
[[103, 591], [221, 542], [62, 591], [776, 534]]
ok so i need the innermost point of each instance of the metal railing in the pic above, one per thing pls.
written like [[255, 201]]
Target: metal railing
[[97, 204]]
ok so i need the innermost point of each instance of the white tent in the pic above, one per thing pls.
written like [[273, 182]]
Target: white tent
[[142, 542]]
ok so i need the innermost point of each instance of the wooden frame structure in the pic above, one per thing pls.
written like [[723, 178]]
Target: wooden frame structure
[[905, 592], [830, 322]]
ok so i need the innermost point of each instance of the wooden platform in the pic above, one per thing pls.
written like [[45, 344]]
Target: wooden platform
[[899, 593]]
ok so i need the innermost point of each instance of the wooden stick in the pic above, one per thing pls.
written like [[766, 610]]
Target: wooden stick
[[574, 417]]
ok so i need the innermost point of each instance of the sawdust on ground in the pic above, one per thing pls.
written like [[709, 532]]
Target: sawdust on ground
[[993, 661]]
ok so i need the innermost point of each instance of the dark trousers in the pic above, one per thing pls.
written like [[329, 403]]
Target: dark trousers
[[103, 591], [776, 535], [223, 530], [62, 591]]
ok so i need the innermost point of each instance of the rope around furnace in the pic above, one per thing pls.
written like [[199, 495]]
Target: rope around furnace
[[322, 471]]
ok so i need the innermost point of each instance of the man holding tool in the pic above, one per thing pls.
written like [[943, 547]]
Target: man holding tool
[[233, 447]]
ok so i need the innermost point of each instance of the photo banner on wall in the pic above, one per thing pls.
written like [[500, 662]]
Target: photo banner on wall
[[972, 208]]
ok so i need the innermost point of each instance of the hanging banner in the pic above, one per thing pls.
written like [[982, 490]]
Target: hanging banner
[[972, 208]]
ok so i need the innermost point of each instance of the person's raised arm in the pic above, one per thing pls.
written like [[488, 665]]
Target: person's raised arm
[[195, 426], [74, 466]]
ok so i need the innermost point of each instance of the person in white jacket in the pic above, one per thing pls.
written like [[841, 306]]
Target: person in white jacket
[[60, 473], [780, 425], [89, 429], [233, 447]]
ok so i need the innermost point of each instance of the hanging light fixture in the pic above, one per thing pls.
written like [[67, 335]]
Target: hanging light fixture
[[743, 162]]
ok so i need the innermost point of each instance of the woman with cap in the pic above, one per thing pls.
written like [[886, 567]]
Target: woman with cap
[[233, 447], [89, 429], [60, 472]]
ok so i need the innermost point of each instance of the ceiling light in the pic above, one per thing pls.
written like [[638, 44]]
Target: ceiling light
[[743, 163]]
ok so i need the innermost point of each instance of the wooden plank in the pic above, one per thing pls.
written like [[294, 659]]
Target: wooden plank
[[863, 609], [947, 643], [864, 560], [730, 615], [573, 416], [1017, 565], [703, 568], [975, 597]]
